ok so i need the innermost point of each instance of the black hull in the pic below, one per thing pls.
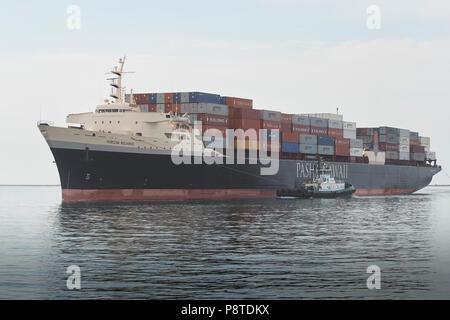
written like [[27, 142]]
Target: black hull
[[100, 175]]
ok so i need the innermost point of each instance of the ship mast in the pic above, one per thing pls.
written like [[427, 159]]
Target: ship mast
[[116, 83]]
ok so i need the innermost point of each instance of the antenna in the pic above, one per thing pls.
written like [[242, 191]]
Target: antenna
[[337, 110], [116, 83]]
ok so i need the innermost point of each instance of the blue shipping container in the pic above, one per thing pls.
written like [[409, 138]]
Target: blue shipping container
[[176, 97], [325, 141], [223, 100], [152, 98], [197, 97], [291, 147]]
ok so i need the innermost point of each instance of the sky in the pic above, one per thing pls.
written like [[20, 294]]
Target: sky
[[288, 55]]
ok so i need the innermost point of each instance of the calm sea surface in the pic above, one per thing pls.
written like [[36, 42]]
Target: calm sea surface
[[269, 249]]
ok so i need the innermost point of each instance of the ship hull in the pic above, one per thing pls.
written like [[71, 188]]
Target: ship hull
[[127, 176]]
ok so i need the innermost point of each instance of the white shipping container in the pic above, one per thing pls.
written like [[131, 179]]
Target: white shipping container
[[426, 148], [356, 152], [424, 141], [334, 124], [160, 107], [403, 141], [349, 134], [329, 116], [430, 155], [403, 148], [185, 108], [403, 156], [346, 125], [160, 98]]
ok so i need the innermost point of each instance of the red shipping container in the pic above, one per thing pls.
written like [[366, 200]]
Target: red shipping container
[[301, 129], [289, 137], [246, 114], [286, 127], [342, 151], [213, 120], [152, 107], [416, 149], [222, 129], [141, 98], [363, 131], [167, 107], [238, 134], [414, 142], [319, 131], [176, 107], [335, 133], [342, 142], [246, 123], [286, 117], [267, 124], [387, 146], [239, 102], [168, 97]]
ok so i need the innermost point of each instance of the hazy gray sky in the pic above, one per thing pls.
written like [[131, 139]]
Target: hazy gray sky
[[293, 56]]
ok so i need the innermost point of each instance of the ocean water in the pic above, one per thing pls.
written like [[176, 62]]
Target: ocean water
[[267, 249]]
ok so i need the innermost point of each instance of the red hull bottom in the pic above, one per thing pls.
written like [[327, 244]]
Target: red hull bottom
[[382, 192], [114, 195], [79, 195]]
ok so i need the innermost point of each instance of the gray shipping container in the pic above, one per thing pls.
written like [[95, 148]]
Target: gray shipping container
[[160, 98], [319, 122], [307, 139], [143, 107], [414, 135], [308, 148], [356, 143], [300, 120], [349, 134], [334, 124], [403, 133], [184, 97], [388, 130], [389, 138], [270, 115], [208, 108], [418, 156], [326, 150], [403, 156], [365, 139], [160, 107], [392, 155], [185, 108]]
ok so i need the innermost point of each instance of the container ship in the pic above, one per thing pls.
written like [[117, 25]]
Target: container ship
[[153, 146]]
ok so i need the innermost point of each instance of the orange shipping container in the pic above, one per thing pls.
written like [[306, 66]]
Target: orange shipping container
[[222, 129], [342, 142], [286, 117], [335, 133], [141, 98], [342, 151], [168, 97], [245, 124], [289, 137], [152, 107], [267, 124], [239, 102], [286, 127]]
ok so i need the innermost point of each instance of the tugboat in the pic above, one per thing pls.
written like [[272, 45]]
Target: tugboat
[[322, 186], [325, 186]]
